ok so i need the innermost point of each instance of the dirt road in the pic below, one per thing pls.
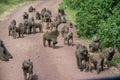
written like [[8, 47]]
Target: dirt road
[[49, 64]]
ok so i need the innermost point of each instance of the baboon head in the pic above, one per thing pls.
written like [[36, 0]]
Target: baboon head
[[1, 43], [13, 22], [95, 39]]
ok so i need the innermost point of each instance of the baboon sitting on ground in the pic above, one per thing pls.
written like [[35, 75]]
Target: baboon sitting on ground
[[38, 25], [94, 46], [27, 67], [31, 9], [4, 54]]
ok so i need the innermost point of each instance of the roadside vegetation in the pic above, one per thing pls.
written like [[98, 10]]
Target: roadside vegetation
[[96, 17], [6, 5]]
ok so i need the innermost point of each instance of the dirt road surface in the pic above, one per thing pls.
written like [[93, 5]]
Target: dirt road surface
[[49, 64]]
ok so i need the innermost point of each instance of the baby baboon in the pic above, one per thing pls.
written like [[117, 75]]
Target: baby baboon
[[25, 15], [27, 67], [4, 54], [81, 54], [94, 46], [38, 16], [31, 9], [11, 27], [50, 37], [68, 37]]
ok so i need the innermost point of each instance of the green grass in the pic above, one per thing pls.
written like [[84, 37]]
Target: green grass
[[116, 60]]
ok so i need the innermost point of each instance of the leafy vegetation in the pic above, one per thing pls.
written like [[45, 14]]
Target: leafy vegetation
[[96, 17]]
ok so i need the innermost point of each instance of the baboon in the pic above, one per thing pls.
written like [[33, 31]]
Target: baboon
[[20, 30], [71, 25], [94, 46], [108, 54], [27, 67], [50, 37], [68, 37], [38, 25], [61, 12], [30, 25], [31, 9], [25, 23], [25, 15], [99, 60], [38, 16], [64, 31], [4, 53], [11, 27], [81, 55]]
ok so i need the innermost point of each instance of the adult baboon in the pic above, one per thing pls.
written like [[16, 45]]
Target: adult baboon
[[38, 16], [20, 30], [100, 59], [50, 37], [81, 55], [94, 46], [27, 67], [31, 9], [38, 25], [25, 15], [4, 54], [68, 37], [97, 60], [64, 31], [11, 27]]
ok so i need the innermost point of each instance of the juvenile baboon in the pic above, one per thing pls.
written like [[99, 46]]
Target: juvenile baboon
[[64, 31], [31, 9], [25, 15], [68, 37], [81, 55], [94, 46], [63, 19], [99, 60], [11, 27], [50, 37], [71, 25], [4, 54], [38, 16], [27, 67]]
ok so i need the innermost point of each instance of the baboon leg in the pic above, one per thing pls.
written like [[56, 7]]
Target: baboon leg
[[102, 64], [44, 41], [77, 61], [9, 32], [98, 67], [54, 44], [49, 43], [30, 76], [25, 75], [80, 64]]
